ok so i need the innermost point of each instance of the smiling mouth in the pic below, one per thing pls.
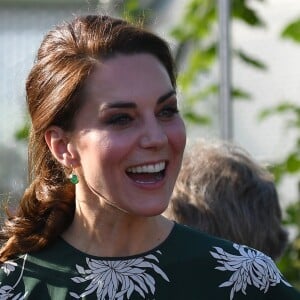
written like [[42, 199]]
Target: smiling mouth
[[149, 174]]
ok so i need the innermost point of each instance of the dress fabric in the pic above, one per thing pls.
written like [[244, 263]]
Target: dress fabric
[[188, 265]]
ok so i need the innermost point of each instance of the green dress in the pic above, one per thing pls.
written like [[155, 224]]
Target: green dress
[[188, 265]]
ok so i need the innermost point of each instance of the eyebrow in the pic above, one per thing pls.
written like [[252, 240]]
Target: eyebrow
[[121, 104], [166, 96]]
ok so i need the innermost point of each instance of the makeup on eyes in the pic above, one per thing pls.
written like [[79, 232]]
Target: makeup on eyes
[[121, 113], [132, 104]]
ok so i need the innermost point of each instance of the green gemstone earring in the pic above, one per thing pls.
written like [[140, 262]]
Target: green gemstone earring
[[73, 177]]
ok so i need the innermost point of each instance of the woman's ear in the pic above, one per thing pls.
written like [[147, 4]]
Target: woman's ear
[[60, 147]]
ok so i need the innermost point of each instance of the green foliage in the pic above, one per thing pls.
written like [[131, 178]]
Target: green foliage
[[292, 31], [289, 264], [195, 118], [240, 94], [133, 12], [22, 133], [246, 14], [283, 107], [290, 164], [197, 34], [255, 63], [198, 21]]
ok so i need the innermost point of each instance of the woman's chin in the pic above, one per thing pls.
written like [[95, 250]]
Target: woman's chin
[[150, 210]]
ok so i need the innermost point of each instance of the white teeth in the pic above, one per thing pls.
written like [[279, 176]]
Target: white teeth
[[154, 168]]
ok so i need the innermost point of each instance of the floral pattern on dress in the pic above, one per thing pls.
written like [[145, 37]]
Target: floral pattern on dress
[[6, 291], [118, 279], [251, 267]]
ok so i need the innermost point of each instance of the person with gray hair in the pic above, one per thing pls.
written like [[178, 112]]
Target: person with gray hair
[[223, 191]]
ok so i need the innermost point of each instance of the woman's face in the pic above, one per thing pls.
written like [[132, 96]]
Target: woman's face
[[129, 138]]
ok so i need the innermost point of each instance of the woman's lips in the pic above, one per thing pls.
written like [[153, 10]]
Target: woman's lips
[[147, 173]]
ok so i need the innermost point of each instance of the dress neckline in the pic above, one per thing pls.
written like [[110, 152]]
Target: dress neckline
[[73, 249]]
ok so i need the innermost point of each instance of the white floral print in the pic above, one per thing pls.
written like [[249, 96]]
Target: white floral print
[[118, 279], [9, 266], [6, 291], [251, 267]]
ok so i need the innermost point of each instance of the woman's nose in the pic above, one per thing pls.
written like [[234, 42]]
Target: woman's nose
[[153, 135]]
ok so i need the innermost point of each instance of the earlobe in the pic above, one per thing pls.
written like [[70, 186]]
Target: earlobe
[[59, 145]]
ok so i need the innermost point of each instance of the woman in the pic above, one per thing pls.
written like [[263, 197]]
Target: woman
[[102, 100]]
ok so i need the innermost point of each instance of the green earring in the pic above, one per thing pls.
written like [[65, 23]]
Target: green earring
[[73, 178]]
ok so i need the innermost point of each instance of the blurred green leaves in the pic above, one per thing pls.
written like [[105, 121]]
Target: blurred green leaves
[[197, 34], [291, 113], [242, 11], [289, 264], [252, 62], [23, 133], [292, 31]]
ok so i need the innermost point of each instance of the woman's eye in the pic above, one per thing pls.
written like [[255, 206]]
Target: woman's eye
[[119, 120], [168, 112]]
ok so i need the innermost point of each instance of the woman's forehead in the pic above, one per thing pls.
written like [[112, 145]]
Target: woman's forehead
[[128, 76]]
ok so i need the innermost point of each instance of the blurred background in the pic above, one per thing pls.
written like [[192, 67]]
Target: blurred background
[[263, 60]]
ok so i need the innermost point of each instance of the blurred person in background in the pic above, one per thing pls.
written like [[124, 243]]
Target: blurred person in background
[[223, 191]]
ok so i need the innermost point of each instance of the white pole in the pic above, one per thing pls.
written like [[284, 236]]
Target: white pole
[[225, 102]]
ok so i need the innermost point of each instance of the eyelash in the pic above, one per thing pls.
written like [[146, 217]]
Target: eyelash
[[123, 119], [169, 110], [119, 119]]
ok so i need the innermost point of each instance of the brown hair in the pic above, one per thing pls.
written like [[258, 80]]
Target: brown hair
[[65, 58], [221, 190]]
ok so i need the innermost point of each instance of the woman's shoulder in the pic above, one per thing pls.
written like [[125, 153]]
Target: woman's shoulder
[[31, 275], [239, 269], [201, 241], [50, 261]]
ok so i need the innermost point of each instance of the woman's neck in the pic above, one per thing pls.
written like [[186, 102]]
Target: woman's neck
[[109, 232]]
